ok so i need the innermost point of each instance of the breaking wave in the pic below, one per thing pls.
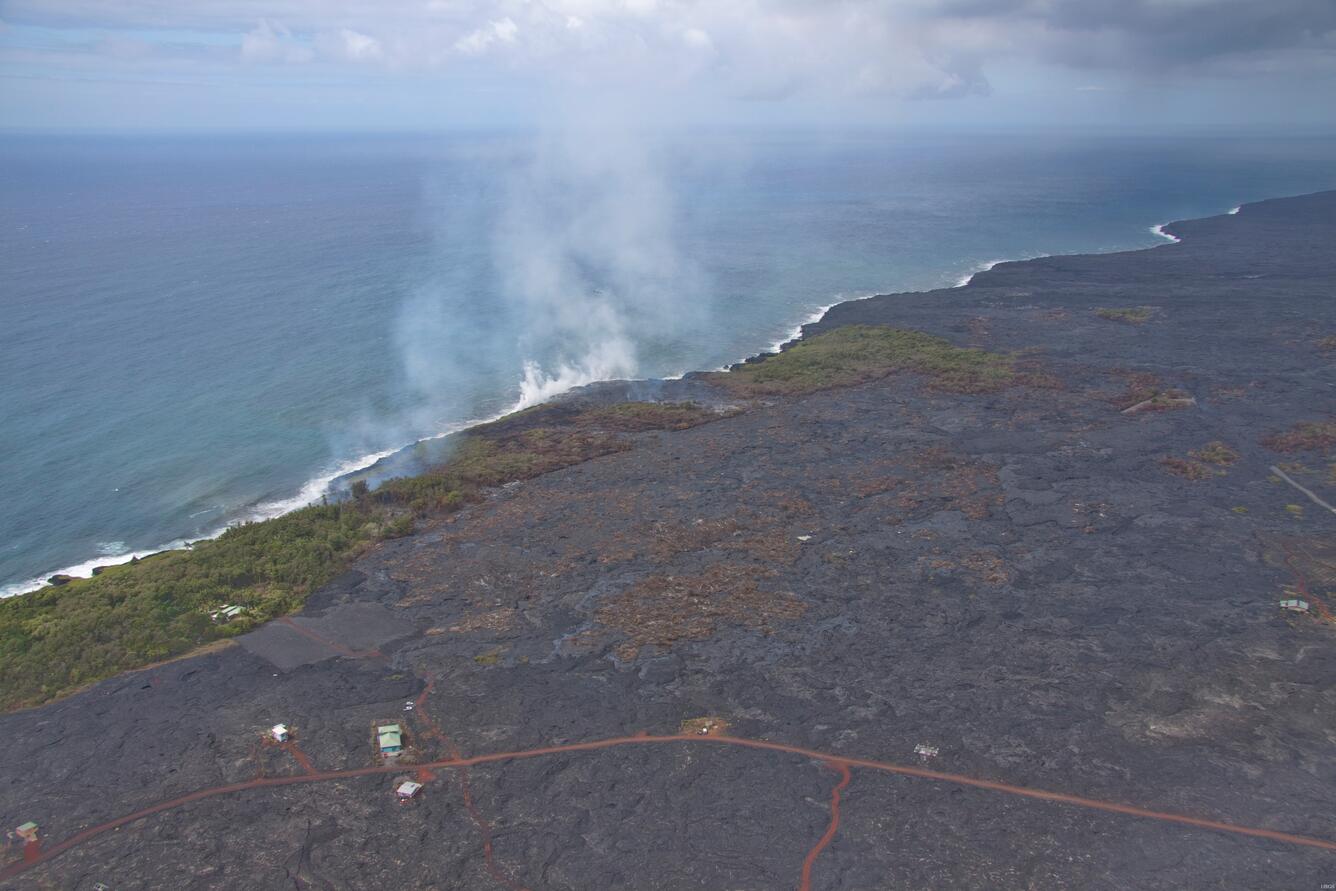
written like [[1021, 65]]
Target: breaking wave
[[1158, 229]]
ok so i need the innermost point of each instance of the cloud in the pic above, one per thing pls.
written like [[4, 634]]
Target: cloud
[[1160, 33], [752, 50], [272, 42], [478, 41], [350, 45]]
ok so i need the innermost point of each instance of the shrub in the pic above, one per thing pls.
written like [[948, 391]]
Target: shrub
[[1306, 436], [62, 636], [1191, 470], [1215, 452], [1131, 315]]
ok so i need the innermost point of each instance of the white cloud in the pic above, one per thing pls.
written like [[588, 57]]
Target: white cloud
[[832, 50], [479, 41], [697, 39], [350, 45], [272, 42]]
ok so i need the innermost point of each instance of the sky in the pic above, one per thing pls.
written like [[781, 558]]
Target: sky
[[154, 65]]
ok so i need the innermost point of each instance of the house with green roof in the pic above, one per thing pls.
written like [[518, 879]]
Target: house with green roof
[[390, 738]]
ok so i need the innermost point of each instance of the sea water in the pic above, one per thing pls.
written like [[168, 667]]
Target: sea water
[[196, 331]]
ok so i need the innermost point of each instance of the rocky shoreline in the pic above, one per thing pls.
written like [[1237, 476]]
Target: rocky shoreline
[[1065, 576]]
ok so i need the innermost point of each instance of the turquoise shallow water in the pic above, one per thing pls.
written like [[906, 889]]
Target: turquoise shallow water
[[195, 331]]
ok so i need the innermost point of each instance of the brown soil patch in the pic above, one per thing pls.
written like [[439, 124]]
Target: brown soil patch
[[707, 726], [496, 620], [662, 610], [1144, 391]]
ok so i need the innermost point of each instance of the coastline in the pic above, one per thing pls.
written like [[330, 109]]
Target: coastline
[[1052, 593], [416, 456]]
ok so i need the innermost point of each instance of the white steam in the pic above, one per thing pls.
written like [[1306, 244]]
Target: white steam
[[583, 272]]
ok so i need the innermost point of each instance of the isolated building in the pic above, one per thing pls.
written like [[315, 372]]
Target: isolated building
[[1295, 605], [226, 613], [279, 732], [27, 832], [390, 738], [407, 790]]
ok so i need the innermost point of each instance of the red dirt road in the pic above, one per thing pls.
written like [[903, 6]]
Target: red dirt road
[[466, 793], [806, 883], [79, 838]]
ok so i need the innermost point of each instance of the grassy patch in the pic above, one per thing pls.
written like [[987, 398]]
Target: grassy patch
[[1190, 470], [1131, 315], [633, 417], [479, 463], [1306, 436], [858, 353], [1215, 452], [1146, 392], [57, 639]]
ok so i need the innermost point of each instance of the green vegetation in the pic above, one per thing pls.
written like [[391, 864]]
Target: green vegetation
[[61, 637], [633, 417], [1215, 452], [479, 463], [1197, 465], [64, 636], [857, 353], [1131, 315], [1306, 436]]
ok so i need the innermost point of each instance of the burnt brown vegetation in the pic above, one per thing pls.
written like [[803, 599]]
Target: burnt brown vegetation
[[1215, 452], [1188, 470], [1144, 391], [662, 610], [1305, 436], [1131, 315]]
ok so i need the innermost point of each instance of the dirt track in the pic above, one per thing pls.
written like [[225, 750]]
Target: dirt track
[[840, 764]]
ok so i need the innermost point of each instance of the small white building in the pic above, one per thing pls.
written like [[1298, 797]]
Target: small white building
[[279, 732], [925, 751], [407, 790], [226, 613], [1295, 605]]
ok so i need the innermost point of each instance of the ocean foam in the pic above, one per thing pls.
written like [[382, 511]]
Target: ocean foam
[[85, 569], [1235, 210], [1158, 229], [982, 267], [812, 317]]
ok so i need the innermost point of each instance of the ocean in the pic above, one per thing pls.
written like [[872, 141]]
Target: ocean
[[197, 331]]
